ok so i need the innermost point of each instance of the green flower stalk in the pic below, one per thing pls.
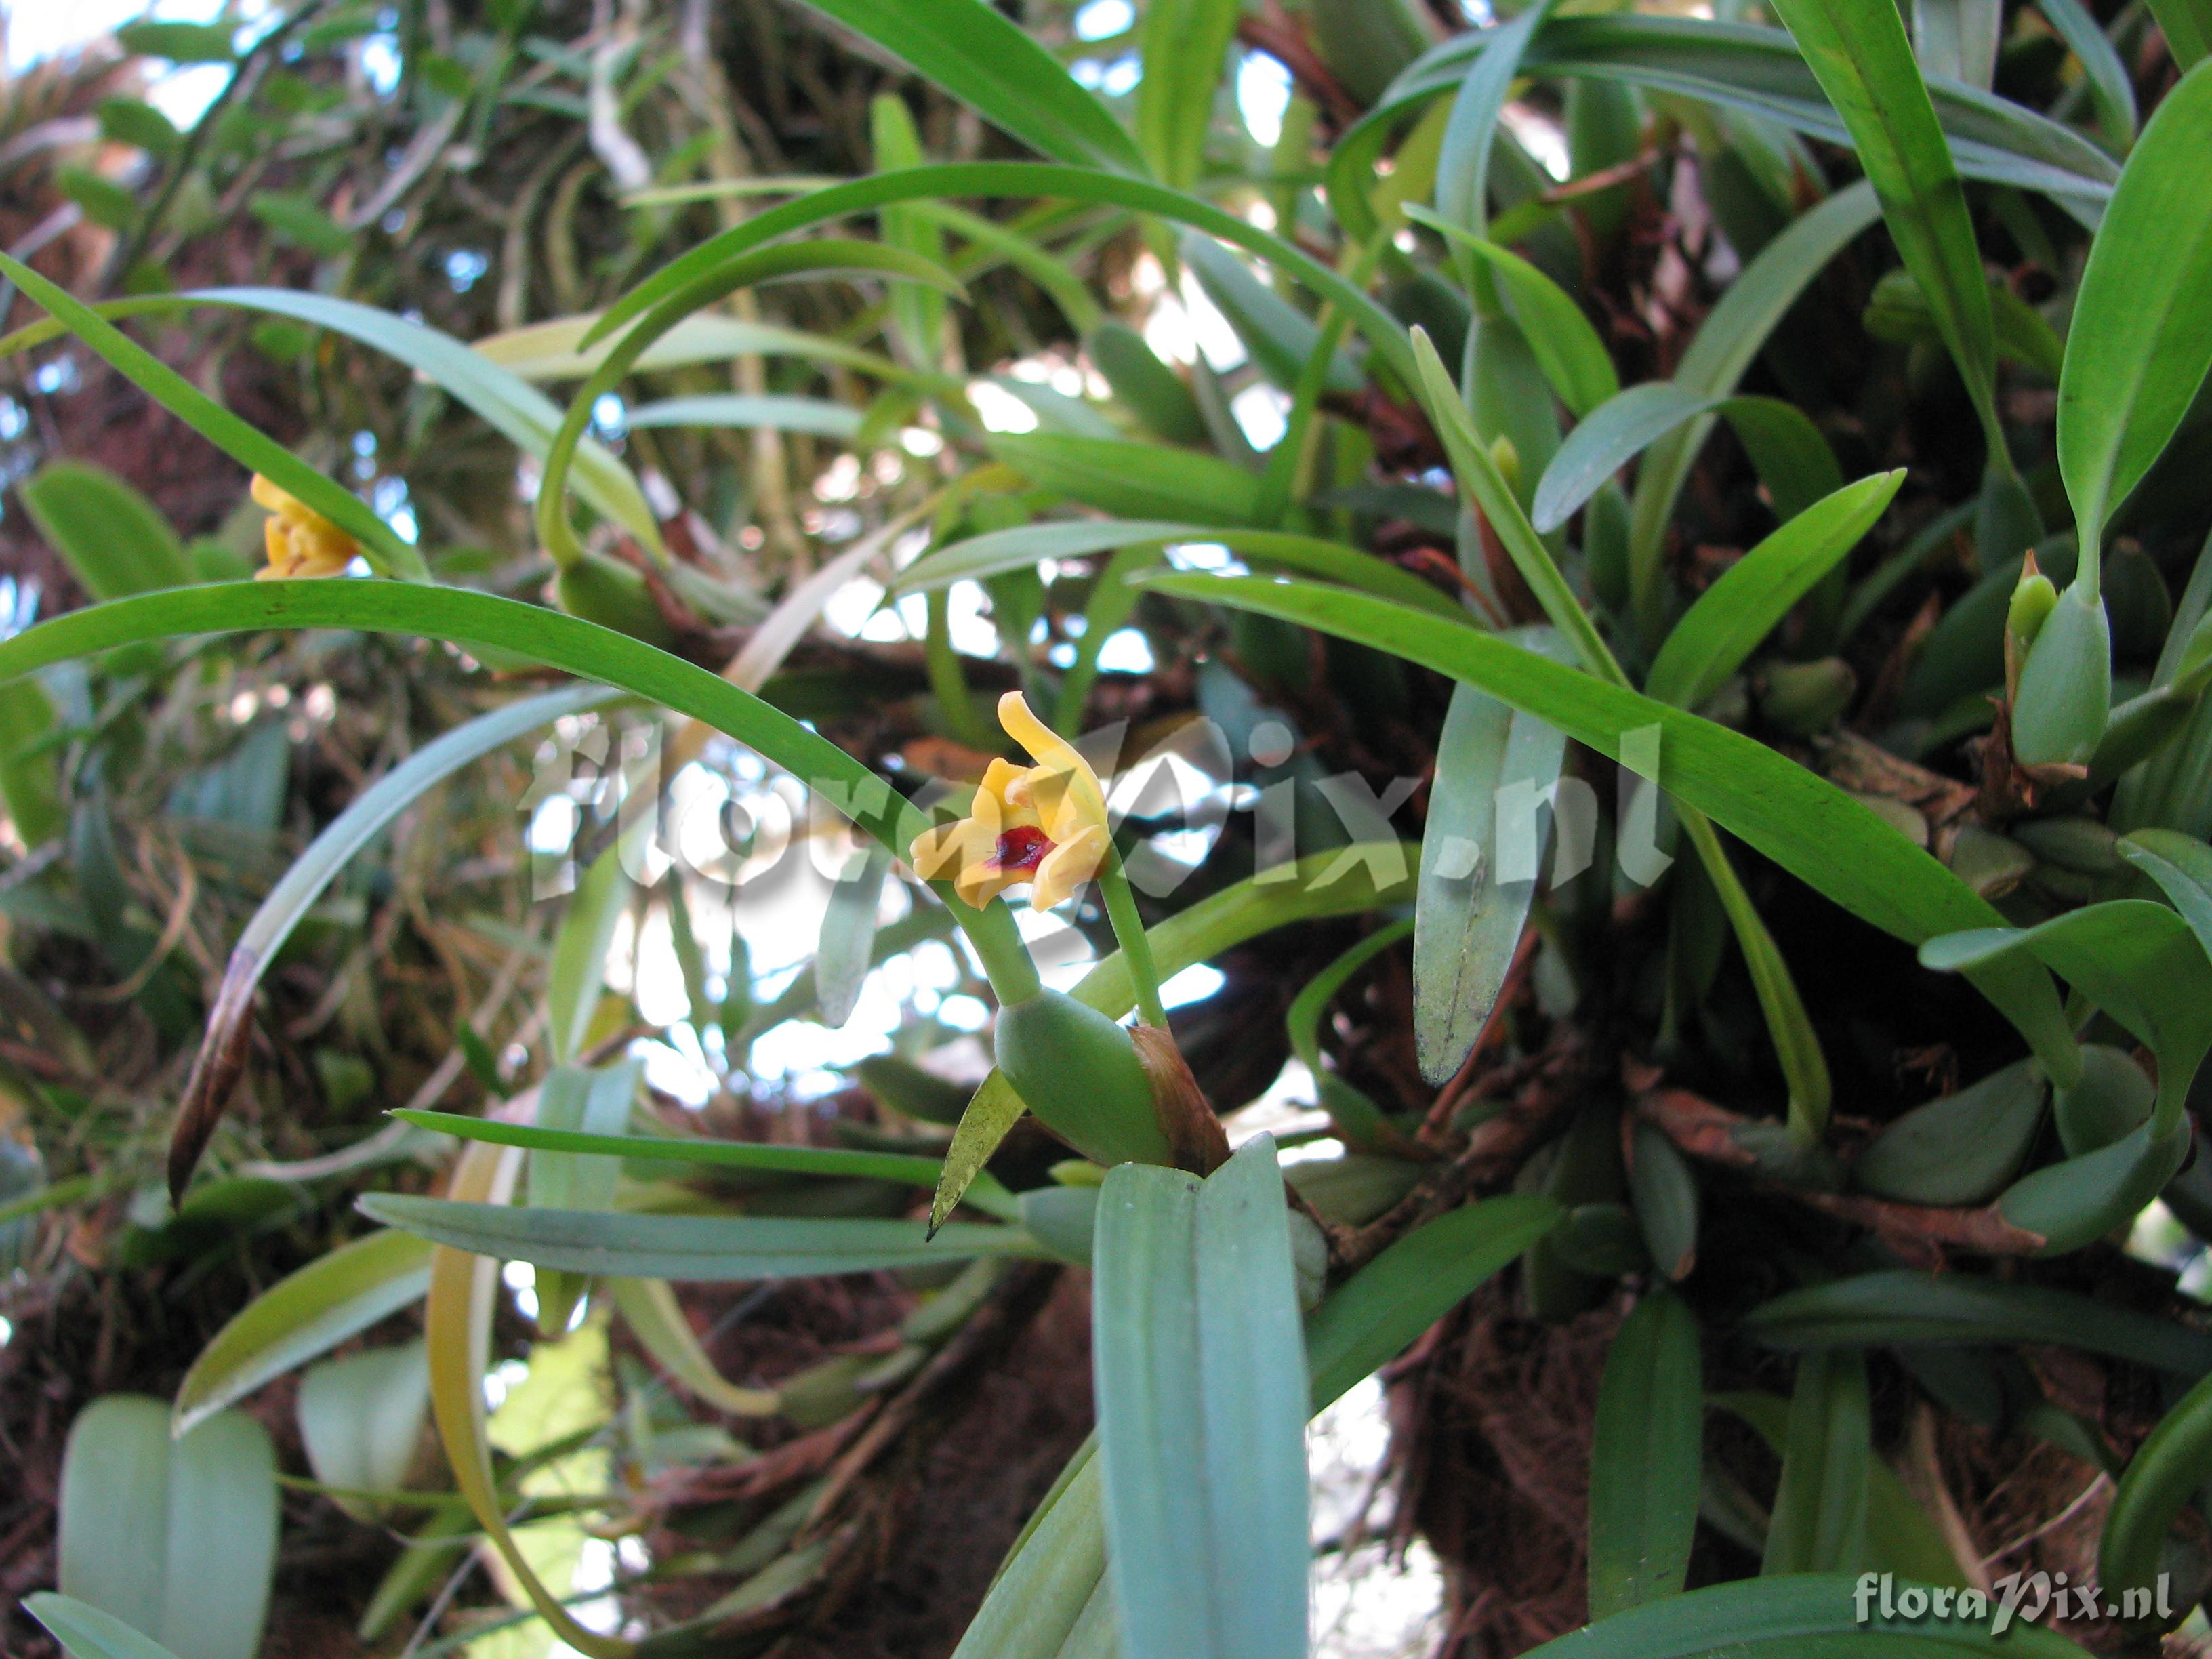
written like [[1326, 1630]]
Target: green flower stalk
[[1045, 826]]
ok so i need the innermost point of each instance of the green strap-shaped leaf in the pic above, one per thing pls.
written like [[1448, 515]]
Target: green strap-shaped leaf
[[1901, 1537], [1019, 178], [2141, 339], [1358, 1120], [649, 1308], [849, 932], [1462, 194], [1376, 1313], [1182, 46], [1819, 1518], [1053, 1571], [1717, 634], [555, 349], [585, 1103], [306, 1314], [2112, 90], [817, 416], [577, 972], [177, 1537], [1134, 480], [716, 1248], [1801, 821], [1761, 71], [30, 763], [989, 63], [114, 541], [1876, 1310], [2168, 1471], [1958, 38], [1646, 1455], [1863, 62], [86, 1632], [2187, 25], [1567, 347], [1279, 336], [836, 1161], [1202, 1395], [1470, 910], [526, 417], [821, 257], [1486, 490], [1791, 457], [1021, 547], [917, 312], [369, 813]]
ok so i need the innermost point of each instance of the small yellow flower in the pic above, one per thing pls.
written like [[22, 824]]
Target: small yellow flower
[[300, 541], [1045, 823]]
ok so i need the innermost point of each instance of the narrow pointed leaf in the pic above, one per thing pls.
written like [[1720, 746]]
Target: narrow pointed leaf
[[1819, 1516], [836, 1163], [2141, 339], [1019, 179], [306, 1313], [848, 934], [1470, 910], [1566, 345], [1881, 1308], [1790, 456], [1646, 1454], [86, 1632], [1202, 1406], [113, 540], [684, 1246], [987, 62], [1717, 634], [472, 620]]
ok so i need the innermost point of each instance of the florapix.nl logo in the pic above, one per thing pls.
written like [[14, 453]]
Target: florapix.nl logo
[[2027, 1598], [728, 819]]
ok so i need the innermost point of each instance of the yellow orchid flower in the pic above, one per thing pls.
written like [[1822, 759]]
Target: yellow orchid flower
[[301, 542], [1044, 824]]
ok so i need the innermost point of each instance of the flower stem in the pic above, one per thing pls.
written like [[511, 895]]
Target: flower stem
[[998, 942], [1129, 932]]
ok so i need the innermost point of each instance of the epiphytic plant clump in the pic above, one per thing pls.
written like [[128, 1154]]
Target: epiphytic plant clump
[[1523, 703]]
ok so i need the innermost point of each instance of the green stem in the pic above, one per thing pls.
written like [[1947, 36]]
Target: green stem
[[1129, 933], [998, 942]]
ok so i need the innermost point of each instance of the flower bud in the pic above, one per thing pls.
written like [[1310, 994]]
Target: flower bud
[[2033, 599], [2065, 684], [1507, 459]]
